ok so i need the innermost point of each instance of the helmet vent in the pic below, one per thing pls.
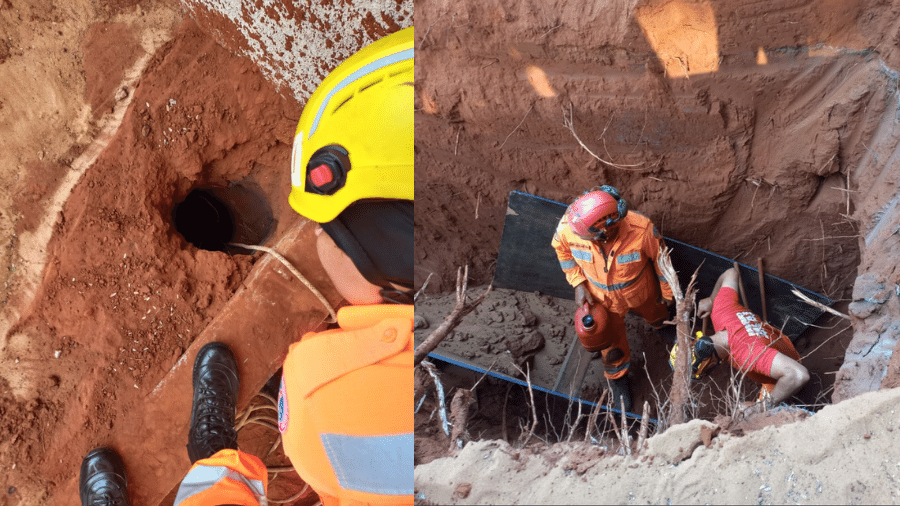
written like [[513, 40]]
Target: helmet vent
[[373, 83], [342, 104]]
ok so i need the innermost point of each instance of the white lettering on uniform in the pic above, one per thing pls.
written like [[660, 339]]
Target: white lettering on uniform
[[752, 324]]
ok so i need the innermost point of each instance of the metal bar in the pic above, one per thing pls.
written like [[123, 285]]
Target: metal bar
[[519, 382], [762, 289]]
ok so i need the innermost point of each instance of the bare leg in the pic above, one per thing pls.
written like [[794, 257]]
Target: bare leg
[[790, 375], [727, 278]]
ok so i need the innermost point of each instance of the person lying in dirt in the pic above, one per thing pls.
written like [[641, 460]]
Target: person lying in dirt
[[766, 355], [345, 403], [609, 254]]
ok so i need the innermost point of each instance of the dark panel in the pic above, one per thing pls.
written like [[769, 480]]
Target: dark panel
[[526, 262]]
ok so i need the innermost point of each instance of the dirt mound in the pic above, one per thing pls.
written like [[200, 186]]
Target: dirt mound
[[123, 294], [829, 457]]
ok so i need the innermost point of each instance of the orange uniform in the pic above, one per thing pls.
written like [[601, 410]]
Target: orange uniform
[[345, 414], [626, 278], [228, 477], [345, 407]]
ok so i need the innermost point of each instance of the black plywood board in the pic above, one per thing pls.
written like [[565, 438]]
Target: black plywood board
[[526, 262]]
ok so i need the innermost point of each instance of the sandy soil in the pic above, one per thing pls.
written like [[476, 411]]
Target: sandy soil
[[842, 455], [750, 130]]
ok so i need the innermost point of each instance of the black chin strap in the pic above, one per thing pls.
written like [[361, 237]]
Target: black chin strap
[[378, 237], [396, 296]]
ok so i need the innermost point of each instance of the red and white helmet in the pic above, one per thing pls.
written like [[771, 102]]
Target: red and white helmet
[[593, 213]]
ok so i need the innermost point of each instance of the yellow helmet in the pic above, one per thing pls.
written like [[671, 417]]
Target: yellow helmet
[[703, 352], [355, 136]]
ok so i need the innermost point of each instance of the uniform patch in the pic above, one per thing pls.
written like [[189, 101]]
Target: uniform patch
[[282, 408], [584, 256], [630, 257]]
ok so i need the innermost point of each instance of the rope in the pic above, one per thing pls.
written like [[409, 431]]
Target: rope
[[290, 267]]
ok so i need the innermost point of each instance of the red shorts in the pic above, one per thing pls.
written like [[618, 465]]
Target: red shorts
[[753, 344]]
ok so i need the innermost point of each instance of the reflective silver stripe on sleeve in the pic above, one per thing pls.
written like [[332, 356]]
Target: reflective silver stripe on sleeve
[[202, 478], [373, 464], [567, 264], [368, 68]]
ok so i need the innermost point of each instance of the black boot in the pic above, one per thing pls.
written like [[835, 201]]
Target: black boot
[[102, 481], [215, 397], [621, 388]]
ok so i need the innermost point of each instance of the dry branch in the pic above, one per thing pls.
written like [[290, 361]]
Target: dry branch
[[440, 395], [740, 283], [459, 416], [624, 426], [618, 433], [645, 426], [592, 420], [762, 288], [293, 270], [517, 126], [569, 123], [821, 306], [422, 290], [575, 423], [527, 374], [462, 309], [503, 432], [680, 393]]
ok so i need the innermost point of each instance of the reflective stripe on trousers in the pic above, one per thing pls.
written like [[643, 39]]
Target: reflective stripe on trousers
[[208, 482], [612, 370]]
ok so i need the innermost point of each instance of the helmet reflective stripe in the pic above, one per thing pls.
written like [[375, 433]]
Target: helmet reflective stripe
[[373, 464], [376, 65], [297, 172]]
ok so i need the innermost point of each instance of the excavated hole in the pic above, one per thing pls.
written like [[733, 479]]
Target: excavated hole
[[211, 218]]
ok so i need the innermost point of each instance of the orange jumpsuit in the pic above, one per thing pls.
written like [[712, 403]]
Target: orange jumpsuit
[[228, 477], [626, 278], [346, 404], [345, 413]]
